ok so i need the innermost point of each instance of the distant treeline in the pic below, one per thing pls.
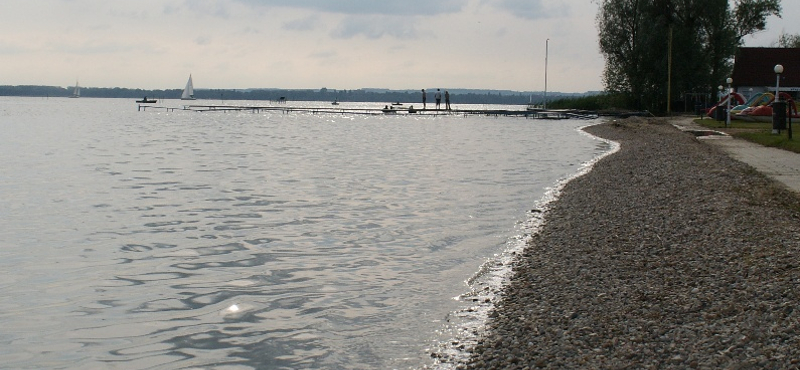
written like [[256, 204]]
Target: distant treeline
[[359, 95], [614, 103], [599, 102]]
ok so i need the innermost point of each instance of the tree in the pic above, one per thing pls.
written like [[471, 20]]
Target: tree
[[634, 38], [620, 23], [751, 15], [789, 41]]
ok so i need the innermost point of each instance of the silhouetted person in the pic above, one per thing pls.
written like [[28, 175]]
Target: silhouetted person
[[424, 99], [446, 100], [438, 97]]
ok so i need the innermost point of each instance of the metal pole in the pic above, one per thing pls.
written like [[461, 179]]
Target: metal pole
[[778, 70], [546, 52], [728, 112]]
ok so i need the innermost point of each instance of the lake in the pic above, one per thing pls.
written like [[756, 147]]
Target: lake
[[270, 240]]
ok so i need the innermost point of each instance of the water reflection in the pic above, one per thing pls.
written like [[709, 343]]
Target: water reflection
[[258, 241]]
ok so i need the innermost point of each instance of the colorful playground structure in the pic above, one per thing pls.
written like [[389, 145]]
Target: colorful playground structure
[[757, 109]]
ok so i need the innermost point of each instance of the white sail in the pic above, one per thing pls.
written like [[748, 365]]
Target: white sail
[[188, 91], [77, 92]]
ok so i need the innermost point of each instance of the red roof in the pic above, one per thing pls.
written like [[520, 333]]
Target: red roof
[[755, 66]]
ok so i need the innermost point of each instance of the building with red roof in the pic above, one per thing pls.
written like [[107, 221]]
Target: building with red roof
[[754, 70]]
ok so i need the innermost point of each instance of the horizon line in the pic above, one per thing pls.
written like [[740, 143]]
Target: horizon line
[[315, 89]]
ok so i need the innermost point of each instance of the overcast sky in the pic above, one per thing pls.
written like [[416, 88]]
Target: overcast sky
[[338, 44]]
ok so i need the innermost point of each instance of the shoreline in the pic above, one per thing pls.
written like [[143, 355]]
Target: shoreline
[[668, 253], [486, 285]]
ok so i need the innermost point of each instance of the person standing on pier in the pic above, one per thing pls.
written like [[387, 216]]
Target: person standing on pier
[[438, 97], [446, 100], [424, 98]]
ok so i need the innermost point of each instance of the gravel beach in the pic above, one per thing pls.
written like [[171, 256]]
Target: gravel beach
[[667, 255]]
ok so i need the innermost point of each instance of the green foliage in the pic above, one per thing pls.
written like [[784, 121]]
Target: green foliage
[[767, 138], [601, 102], [758, 132], [751, 15], [789, 41], [634, 38]]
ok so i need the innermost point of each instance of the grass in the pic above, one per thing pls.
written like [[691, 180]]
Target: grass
[[757, 132]]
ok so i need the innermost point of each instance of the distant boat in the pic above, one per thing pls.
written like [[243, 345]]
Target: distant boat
[[335, 102], [145, 100], [77, 92], [188, 91]]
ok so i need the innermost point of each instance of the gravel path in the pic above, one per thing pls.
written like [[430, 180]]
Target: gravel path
[[668, 254]]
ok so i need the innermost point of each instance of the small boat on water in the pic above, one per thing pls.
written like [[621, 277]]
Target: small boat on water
[[77, 92], [397, 103], [147, 101], [188, 91], [335, 102], [534, 108]]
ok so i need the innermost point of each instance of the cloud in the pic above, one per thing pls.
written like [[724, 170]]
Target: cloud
[[371, 7], [324, 55], [210, 7], [97, 47], [8, 49], [303, 24], [375, 28], [202, 40], [532, 9], [250, 31], [170, 10]]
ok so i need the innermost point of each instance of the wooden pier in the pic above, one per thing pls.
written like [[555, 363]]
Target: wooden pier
[[526, 113]]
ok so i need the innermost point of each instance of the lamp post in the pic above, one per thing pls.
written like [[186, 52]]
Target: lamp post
[[717, 116], [778, 71], [730, 95], [776, 104]]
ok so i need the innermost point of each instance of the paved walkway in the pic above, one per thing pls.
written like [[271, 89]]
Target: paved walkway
[[781, 165]]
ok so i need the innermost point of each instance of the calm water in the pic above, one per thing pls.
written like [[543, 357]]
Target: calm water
[[156, 240]]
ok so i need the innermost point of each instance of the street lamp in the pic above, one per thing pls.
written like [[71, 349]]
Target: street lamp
[[730, 95], [778, 71], [777, 104]]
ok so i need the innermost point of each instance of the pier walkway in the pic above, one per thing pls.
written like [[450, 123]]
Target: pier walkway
[[538, 114]]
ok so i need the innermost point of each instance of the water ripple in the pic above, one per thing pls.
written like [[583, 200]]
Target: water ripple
[[176, 240]]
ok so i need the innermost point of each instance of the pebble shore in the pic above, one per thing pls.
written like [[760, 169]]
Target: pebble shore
[[667, 255]]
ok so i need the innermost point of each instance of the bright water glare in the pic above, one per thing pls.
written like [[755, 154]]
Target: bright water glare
[[240, 240]]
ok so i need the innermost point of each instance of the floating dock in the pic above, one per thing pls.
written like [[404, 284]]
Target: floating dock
[[527, 113]]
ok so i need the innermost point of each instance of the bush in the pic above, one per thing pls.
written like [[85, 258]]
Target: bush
[[600, 102]]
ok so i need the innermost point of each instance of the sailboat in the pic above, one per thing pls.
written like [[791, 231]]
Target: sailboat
[[532, 107], [77, 92], [188, 91]]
